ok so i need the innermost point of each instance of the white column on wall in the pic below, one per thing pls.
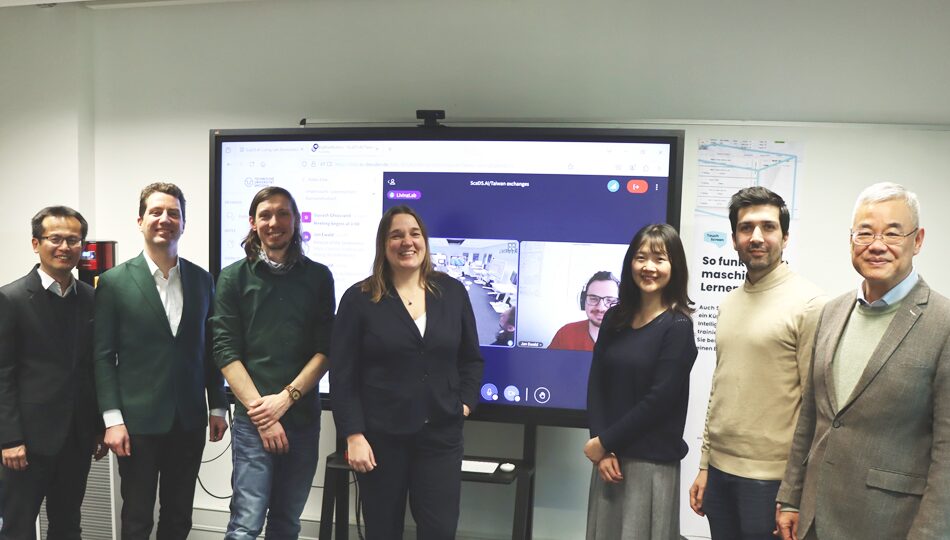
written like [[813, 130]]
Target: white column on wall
[[45, 121]]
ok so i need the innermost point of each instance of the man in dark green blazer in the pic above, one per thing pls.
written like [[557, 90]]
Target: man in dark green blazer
[[153, 370]]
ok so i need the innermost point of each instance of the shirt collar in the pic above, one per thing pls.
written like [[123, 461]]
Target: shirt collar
[[52, 285], [152, 267], [893, 296], [260, 262]]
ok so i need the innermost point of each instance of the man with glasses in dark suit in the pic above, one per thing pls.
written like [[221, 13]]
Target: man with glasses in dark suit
[[48, 417]]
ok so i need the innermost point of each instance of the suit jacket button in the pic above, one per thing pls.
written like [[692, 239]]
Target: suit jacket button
[[836, 423]]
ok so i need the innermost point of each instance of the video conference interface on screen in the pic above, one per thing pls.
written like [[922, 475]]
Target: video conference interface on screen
[[523, 225]]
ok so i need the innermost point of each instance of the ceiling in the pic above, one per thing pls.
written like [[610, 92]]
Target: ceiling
[[111, 4]]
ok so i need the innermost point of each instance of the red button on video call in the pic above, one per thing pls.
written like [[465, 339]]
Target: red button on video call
[[637, 186]]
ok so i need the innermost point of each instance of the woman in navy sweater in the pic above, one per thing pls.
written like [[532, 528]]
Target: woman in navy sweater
[[637, 394]]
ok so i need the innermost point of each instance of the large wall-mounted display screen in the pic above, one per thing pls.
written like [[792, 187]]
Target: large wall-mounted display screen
[[523, 217]]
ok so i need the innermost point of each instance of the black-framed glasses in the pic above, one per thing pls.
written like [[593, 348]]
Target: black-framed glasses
[[866, 238], [56, 240], [609, 301]]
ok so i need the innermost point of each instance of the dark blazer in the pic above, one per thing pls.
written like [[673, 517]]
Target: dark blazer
[[141, 368], [45, 383], [877, 465], [387, 378]]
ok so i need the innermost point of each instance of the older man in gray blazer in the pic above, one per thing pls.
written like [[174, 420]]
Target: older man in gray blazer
[[871, 452]]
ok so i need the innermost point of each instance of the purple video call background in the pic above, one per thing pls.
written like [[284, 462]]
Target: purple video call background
[[550, 208]]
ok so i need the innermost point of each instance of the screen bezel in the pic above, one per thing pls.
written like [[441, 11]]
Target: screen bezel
[[516, 414]]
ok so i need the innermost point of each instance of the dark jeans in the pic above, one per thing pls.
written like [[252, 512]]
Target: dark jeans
[[739, 508], [168, 463], [426, 466]]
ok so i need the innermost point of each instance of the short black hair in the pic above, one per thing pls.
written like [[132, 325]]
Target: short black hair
[[755, 196], [57, 211]]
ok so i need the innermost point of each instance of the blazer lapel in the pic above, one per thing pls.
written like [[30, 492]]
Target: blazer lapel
[[394, 304], [435, 306], [84, 314], [146, 284], [191, 297], [80, 317], [39, 296], [905, 318], [837, 320]]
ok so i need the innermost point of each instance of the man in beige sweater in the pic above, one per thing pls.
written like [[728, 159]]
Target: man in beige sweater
[[764, 338]]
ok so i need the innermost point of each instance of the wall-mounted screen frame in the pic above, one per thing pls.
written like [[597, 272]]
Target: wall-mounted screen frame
[[525, 217]]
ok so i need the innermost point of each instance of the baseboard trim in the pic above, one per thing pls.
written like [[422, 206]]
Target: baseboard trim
[[210, 523]]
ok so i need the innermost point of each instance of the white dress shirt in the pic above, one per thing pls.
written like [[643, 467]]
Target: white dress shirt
[[53, 286], [169, 291]]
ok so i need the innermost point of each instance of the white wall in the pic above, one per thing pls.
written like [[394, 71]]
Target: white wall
[[97, 103], [45, 128]]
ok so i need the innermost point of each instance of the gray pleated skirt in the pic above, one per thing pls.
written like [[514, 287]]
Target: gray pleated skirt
[[644, 506]]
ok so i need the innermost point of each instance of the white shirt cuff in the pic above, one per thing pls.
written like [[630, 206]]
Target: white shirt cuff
[[219, 412], [112, 417]]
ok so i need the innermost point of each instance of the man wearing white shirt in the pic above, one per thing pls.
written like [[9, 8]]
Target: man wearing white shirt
[[48, 417], [153, 370]]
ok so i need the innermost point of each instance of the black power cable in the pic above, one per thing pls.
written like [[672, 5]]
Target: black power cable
[[359, 507], [215, 458]]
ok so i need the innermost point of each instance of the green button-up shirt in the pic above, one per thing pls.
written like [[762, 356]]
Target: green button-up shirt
[[274, 324]]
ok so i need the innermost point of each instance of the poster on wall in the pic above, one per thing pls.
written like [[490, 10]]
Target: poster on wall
[[724, 167]]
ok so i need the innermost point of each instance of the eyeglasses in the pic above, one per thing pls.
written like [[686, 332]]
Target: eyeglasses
[[71, 241], [866, 238], [609, 301]]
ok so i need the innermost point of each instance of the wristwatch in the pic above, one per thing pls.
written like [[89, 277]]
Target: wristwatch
[[294, 393]]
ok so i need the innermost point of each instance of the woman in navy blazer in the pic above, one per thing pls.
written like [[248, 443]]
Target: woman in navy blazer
[[405, 371]]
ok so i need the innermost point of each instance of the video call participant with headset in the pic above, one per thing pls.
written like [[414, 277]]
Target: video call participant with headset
[[637, 394], [405, 371], [599, 295]]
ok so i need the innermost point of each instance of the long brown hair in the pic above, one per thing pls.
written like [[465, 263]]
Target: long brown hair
[[252, 242], [380, 282]]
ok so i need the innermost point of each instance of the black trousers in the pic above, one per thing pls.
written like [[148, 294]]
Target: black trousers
[[61, 479], [167, 463], [426, 466]]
